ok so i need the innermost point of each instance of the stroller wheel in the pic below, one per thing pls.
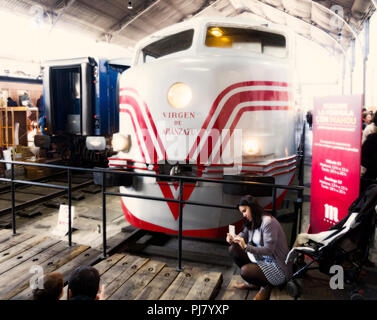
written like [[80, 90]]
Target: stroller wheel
[[294, 288], [357, 296]]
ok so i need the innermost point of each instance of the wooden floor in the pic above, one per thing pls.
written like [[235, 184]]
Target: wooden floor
[[125, 276]]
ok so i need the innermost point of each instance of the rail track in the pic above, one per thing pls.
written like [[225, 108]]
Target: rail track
[[27, 196]]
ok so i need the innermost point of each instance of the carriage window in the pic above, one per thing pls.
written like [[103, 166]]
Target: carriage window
[[177, 42], [247, 39]]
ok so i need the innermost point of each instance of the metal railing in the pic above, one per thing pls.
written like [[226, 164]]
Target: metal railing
[[180, 201]]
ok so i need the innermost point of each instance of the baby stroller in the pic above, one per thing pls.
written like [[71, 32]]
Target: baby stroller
[[345, 244]]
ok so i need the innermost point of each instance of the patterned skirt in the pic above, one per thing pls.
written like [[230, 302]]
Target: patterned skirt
[[271, 270]]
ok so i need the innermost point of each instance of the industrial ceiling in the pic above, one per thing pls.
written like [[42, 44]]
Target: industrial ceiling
[[114, 22]]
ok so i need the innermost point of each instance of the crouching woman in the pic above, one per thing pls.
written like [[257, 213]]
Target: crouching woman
[[259, 250]]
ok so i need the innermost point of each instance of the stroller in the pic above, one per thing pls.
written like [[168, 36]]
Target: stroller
[[345, 244]]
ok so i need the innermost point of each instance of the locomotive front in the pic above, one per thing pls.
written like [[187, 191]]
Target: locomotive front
[[206, 98]]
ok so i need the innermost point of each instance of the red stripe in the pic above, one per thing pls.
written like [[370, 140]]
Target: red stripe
[[235, 122], [137, 136], [229, 106], [268, 171], [280, 199], [232, 103], [136, 106], [140, 119], [202, 233], [221, 96], [269, 164], [168, 194], [283, 172]]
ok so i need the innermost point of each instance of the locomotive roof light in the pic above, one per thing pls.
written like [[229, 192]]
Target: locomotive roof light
[[217, 32], [121, 142], [179, 95]]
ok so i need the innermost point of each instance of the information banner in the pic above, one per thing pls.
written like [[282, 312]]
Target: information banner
[[336, 152]]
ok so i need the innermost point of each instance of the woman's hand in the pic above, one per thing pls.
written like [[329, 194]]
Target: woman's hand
[[240, 241], [229, 238]]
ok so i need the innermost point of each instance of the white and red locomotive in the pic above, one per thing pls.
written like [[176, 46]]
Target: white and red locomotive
[[195, 91]]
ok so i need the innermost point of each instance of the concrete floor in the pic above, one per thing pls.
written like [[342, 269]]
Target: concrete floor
[[88, 221]]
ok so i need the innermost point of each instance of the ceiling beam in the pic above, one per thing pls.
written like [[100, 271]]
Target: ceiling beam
[[115, 5], [244, 9], [331, 35], [120, 25], [174, 7], [69, 17], [67, 4], [96, 10]]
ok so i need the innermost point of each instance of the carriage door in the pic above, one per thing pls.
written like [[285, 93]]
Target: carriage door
[[71, 99]]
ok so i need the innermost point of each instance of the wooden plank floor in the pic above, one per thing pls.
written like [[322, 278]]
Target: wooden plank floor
[[232, 293], [125, 276]]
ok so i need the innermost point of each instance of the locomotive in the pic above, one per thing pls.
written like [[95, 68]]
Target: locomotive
[[81, 108], [211, 98]]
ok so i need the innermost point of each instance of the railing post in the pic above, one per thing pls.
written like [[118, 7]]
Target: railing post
[[302, 157], [104, 244], [294, 226], [179, 268], [13, 200], [69, 207], [273, 201], [300, 203]]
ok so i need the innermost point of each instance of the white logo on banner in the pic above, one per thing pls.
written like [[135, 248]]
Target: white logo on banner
[[331, 214]]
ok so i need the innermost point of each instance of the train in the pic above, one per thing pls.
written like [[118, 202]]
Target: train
[[211, 97], [80, 108]]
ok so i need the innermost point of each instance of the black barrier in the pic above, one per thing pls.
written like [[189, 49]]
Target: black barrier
[[181, 179]]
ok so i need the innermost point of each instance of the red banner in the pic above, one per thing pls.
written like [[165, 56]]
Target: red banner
[[336, 153]]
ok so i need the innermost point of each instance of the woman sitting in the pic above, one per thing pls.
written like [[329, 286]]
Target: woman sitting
[[259, 250]]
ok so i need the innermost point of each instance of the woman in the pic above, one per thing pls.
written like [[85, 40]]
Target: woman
[[370, 128], [259, 250]]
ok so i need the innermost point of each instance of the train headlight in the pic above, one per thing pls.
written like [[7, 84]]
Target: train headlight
[[252, 146], [179, 95], [121, 142], [95, 143]]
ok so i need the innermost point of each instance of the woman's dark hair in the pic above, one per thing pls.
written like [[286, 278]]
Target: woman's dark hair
[[52, 287], [257, 211], [84, 281]]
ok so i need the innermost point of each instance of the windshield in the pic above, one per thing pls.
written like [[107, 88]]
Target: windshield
[[272, 44], [174, 43]]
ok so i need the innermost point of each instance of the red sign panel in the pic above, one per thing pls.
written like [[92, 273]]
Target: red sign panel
[[335, 159]]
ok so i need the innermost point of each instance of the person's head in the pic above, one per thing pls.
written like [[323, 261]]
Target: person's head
[[52, 287], [374, 119], [251, 210], [368, 118], [84, 281]]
